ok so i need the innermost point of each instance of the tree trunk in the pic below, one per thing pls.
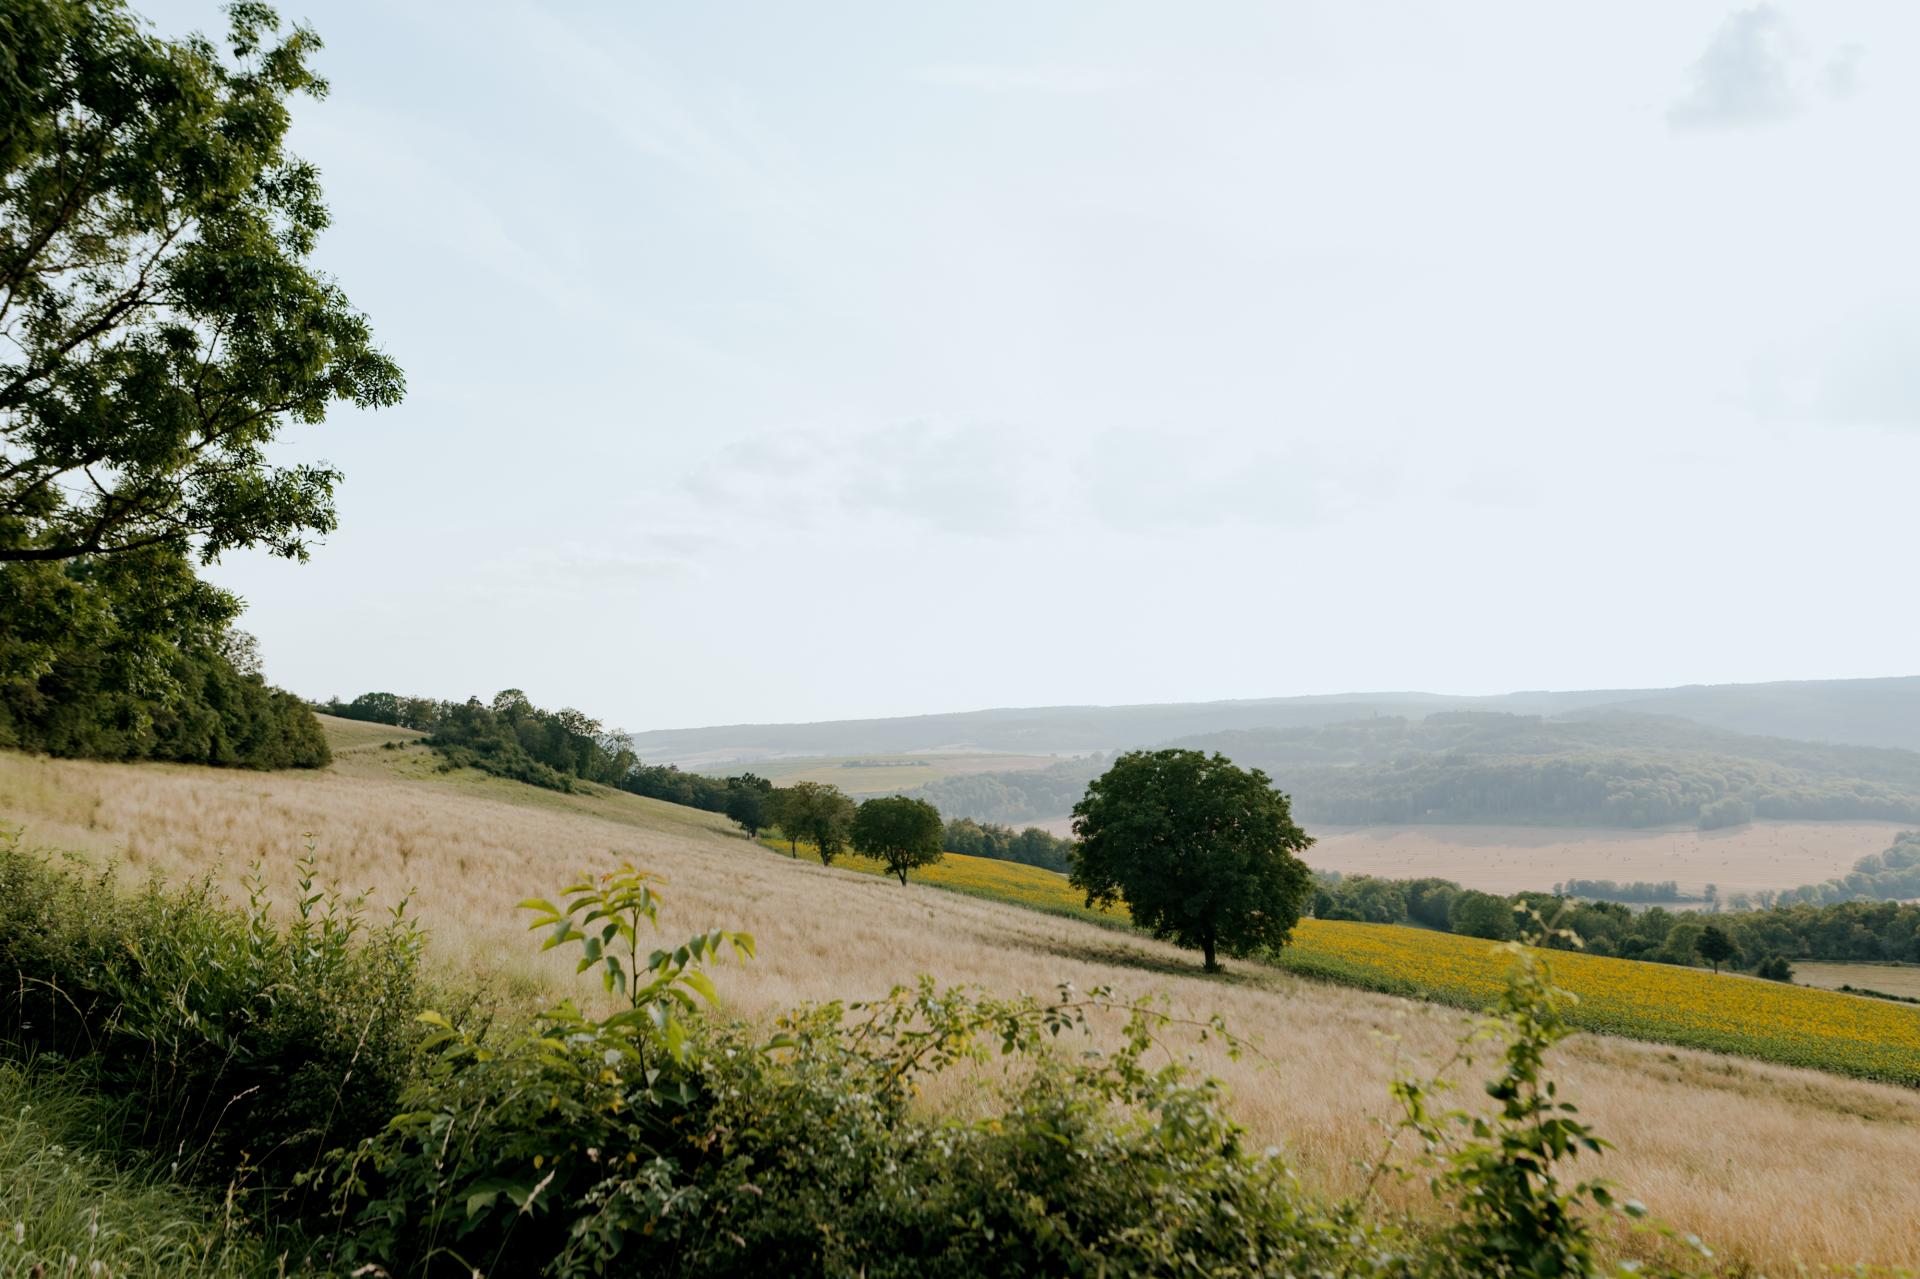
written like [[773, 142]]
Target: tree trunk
[[903, 878], [793, 847], [1206, 948]]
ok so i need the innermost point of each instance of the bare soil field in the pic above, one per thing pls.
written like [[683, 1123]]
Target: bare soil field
[[1509, 859], [1775, 1166], [1891, 979]]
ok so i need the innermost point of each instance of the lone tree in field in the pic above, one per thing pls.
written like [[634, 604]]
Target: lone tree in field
[[160, 322], [1715, 946], [818, 813], [904, 833], [1201, 851]]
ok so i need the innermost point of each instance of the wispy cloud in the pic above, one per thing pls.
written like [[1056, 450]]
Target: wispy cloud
[[978, 481], [1137, 479], [1864, 372]]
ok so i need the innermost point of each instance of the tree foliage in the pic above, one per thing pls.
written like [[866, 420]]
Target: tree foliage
[[1714, 946], [903, 832], [816, 813], [1201, 851], [130, 657], [1029, 847], [1768, 937], [162, 322]]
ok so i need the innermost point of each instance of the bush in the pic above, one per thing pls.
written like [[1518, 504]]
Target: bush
[[245, 1049], [656, 1141]]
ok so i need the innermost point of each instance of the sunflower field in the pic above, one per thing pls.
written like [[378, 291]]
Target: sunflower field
[[1771, 1021]]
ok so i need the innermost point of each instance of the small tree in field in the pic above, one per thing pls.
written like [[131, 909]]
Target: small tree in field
[[902, 832], [1201, 851], [1715, 946], [818, 813]]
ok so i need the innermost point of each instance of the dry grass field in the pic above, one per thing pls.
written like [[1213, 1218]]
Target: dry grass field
[[1891, 979], [1510, 859], [1776, 1167]]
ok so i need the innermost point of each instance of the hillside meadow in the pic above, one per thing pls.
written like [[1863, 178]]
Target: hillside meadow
[[1776, 1166]]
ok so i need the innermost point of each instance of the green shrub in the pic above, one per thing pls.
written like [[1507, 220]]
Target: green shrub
[[656, 1141], [294, 1067], [245, 1048]]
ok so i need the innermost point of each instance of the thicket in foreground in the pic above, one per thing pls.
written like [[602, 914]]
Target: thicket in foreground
[[664, 1138]]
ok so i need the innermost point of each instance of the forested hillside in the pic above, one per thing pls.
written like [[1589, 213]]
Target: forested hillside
[[1611, 770], [1861, 712]]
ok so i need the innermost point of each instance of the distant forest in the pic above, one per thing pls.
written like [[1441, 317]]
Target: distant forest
[[1855, 931], [1030, 795], [1463, 766], [1862, 712]]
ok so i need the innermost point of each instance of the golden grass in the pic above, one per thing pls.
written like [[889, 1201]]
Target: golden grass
[[1775, 1166]]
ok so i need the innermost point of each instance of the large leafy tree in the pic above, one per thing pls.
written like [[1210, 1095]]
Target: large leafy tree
[[1202, 852], [819, 813], [160, 318], [899, 830]]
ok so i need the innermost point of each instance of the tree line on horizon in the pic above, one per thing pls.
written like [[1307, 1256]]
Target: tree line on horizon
[[1618, 770], [1766, 940]]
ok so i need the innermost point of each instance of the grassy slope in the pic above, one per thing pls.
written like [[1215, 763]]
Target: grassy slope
[[1771, 1163]]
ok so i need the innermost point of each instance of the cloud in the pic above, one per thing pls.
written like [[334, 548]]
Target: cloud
[[1057, 80], [1865, 372], [575, 571], [973, 480], [1135, 479], [1742, 79]]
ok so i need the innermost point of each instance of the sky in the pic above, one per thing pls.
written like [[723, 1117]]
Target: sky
[[777, 362]]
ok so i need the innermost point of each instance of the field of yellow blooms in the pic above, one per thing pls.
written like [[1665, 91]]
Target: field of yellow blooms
[[988, 877], [1773, 1021], [1793, 1025]]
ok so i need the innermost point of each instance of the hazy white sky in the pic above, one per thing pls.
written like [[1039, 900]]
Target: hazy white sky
[[780, 361]]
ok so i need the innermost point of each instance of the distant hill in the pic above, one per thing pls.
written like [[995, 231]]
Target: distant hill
[[1613, 769], [1868, 712]]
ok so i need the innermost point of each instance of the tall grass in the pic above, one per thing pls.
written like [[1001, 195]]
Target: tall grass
[[1778, 1166], [73, 1204]]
